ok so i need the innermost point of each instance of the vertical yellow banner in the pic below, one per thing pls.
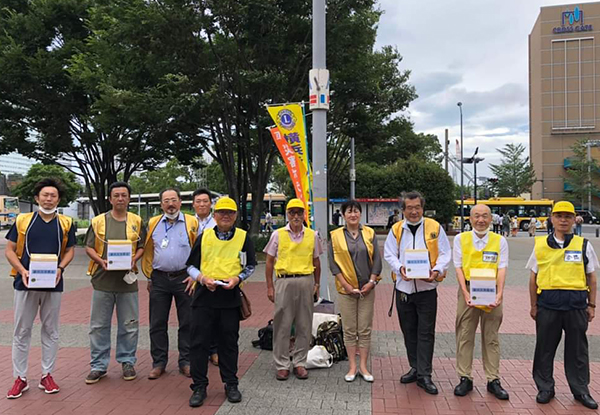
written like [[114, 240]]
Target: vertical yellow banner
[[289, 119]]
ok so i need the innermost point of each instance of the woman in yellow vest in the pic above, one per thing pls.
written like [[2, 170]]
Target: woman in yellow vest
[[562, 290], [356, 265], [479, 255]]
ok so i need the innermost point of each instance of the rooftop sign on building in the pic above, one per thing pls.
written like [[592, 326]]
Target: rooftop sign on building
[[572, 21]]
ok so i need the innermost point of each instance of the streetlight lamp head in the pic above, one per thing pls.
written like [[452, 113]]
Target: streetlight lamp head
[[459, 104]]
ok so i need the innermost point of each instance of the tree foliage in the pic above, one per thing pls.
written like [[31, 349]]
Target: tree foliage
[[87, 83], [406, 175], [582, 175], [38, 172], [515, 173]]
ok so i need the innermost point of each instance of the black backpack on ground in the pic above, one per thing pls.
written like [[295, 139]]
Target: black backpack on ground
[[330, 335], [265, 337]]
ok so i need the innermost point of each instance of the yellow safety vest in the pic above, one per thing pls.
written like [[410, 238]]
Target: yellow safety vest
[[295, 258], [560, 269], [431, 232], [191, 226], [221, 259], [22, 223], [133, 227], [342, 258], [472, 258]]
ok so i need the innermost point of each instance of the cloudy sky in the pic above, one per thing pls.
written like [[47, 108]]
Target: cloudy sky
[[473, 51]]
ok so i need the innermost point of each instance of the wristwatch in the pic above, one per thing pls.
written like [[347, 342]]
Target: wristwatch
[[375, 282], [62, 269], [592, 305]]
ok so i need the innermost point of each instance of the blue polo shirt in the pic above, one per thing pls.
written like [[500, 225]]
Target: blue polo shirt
[[42, 238]]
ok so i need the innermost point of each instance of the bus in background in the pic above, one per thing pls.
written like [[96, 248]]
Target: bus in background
[[9, 209], [272, 202], [522, 208]]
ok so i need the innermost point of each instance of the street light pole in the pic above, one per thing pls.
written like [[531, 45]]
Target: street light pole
[[319, 147], [462, 190], [352, 171]]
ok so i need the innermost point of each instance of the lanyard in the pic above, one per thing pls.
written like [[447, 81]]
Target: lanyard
[[58, 229]]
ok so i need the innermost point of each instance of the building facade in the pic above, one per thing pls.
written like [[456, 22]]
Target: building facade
[[14, 163], [564, 98]]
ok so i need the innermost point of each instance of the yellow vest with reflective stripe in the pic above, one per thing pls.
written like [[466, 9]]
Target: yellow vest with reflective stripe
[[22, 223], [554, 273], [472, 258], [295, 258], [342, 258], [431, 232], [221, 259], [191, 226], [133, 226]]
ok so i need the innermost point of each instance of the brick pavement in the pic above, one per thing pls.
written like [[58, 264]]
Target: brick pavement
[[325, 393]]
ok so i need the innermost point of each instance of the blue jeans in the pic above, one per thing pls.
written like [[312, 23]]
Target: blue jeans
[[103, 304], [578, 229]]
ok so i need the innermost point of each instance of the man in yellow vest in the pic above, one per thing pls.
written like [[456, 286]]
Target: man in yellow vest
[[112, 237], [416, 299], [221, 259], [166, 250], [477, 251], [32, 235], [562, 289], [293, 252]]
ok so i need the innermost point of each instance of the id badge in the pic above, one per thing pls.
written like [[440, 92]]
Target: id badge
[[490, 257], [164, 243], [573, 256]]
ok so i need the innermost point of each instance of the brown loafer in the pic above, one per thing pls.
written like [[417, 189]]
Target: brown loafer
[[301, 372], [282, 374], [185, 371], [156, 372], [214, 359]]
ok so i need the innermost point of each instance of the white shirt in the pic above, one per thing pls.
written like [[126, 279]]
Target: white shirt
[[479, 244], [395, 256], [206, 223], [589, 252]]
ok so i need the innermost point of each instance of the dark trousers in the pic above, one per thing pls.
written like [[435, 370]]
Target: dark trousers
[[224, 325], [164, 288], [417, 313], [549, 325]]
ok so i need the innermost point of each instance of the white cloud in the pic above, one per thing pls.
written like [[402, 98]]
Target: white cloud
[[473, 51]]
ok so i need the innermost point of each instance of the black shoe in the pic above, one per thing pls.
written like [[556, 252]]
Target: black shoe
[[198, 397], [410, 376], [544, 396], [233, 394], [427, 384], [496, 388], [587, 401], [465, 386]]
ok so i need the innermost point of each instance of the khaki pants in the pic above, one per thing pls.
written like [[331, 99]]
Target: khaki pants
[[467, 319], [293, 306], [357, 318]]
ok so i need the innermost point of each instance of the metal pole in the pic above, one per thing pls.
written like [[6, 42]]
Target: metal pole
[[352, 171], [589, 161], [446, 142], [462, 189], [475, 180], [319, 146]]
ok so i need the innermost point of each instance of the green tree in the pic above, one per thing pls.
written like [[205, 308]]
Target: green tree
[[582, 175], [87, 83], [391, 181], [38, 172], [172, 174], [515, 173]]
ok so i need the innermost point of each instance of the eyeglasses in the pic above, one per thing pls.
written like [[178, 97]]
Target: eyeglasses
[[293, 212], [225, 212]]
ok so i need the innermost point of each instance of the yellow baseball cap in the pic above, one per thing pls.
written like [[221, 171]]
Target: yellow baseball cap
[[563, 206], [226, 203], [295, 203]]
